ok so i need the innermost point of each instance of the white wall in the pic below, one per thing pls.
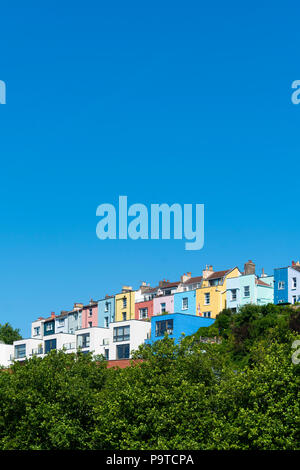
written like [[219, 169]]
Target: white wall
[[6, 351], [138, 334]]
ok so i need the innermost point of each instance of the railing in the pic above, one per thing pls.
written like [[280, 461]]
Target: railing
[[36, 351], [69, 346]]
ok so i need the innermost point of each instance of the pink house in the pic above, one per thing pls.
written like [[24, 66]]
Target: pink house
[[162, 304], [90, 315]]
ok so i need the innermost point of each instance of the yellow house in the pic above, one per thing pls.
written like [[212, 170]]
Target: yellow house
[[125, 304], [211, 296]]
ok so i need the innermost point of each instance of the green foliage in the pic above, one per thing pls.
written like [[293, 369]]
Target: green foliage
[[8, 335], [240, 394], [47, 403]]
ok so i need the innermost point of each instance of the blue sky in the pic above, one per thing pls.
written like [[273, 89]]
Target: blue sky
[[186, 102]]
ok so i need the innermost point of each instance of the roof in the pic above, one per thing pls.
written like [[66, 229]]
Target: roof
[[296, 267], [218, 274], [192, 280], [262, 283], [166, 284]]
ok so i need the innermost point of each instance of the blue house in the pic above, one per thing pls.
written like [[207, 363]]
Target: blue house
[[185, 302], [174, 324], [287, 284], [106, 311]]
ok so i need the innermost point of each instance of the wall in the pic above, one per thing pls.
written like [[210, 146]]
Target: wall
[[167, 299], [187, 324], [148, 304], [102, 313], [281, 295], [129, 309], [87, 318], [191, 296]]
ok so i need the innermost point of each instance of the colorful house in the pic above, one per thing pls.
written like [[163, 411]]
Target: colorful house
[[185, 302], [144, 310], [125, 304], [287, 284], [106, 311], [163, 304], [176, 324], [211, 297], [247, 289], [90, 315]]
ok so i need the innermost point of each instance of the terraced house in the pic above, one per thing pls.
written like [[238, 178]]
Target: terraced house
[[117, 324], [125, 304], [249, 288], [287, 284], [211, 297]]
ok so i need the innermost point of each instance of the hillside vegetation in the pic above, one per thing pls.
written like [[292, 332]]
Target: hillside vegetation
[[239, 393]]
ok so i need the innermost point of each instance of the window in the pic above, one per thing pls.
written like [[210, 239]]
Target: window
[[106, 307], [294, 282], [121, 333], [162, 308], [49, 345], [90, 312], [20, 351], [124, 302], [294, 299], [207, 314], [246, 291], [90, 324], [143, 313], [163, 326], [36, 331], [106, 354], [61, 322], [124, 316], [83, 341], [281, 285], [207, 298], [105, 322], [185, 303], [48, 326], [122, 351], [233, 294]]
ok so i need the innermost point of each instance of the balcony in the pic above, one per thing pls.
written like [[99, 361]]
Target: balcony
[[68, 346]]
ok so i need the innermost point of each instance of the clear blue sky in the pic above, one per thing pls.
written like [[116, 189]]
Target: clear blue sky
[[162, 101]]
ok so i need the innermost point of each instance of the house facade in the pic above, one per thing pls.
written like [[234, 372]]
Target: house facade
[[106, 311], [287, 284], [125, 304], [176, 325], [211, 297], [249, 289], [185, 302]]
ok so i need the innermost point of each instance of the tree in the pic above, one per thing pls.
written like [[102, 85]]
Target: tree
[[48, 403], [8, 335]]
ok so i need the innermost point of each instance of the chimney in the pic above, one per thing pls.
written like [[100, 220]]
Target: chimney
[[144, 287], [263, 274], [107, 296], [52, 314], [77, 306], [126, 289], [185, 277], [207, 271], [249, 268]]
